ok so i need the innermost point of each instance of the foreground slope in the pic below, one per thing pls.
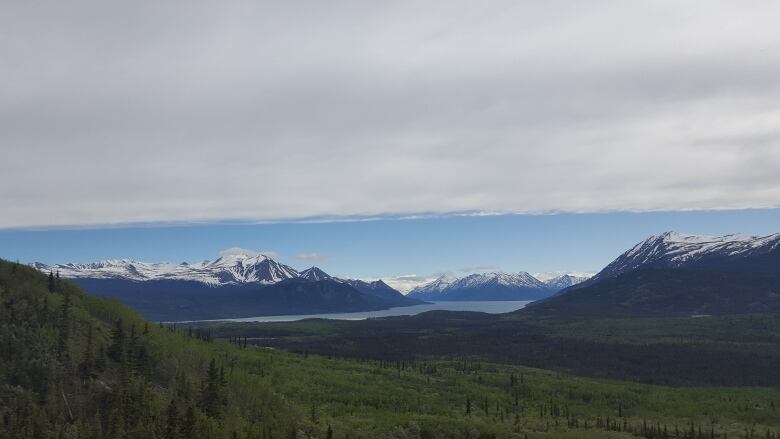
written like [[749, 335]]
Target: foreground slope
[[73, 366], [94, 369]]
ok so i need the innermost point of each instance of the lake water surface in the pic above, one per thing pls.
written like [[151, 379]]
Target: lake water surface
[[488, 307]]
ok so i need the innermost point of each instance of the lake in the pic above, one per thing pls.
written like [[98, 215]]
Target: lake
[[495, 307]]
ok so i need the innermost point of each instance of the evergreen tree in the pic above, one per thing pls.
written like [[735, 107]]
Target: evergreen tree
[[116, 349], [87, 363], [172, 421], [52, 286], [188, 429], [210, 392], [64, 328]]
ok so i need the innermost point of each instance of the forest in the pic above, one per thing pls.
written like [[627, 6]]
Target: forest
[[76, 366], [742, 350]]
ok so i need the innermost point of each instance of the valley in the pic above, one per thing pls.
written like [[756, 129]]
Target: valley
[[110, 374], [678, 337]]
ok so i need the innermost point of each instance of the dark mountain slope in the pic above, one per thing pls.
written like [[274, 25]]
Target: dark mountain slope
[[676, 274], [668, 292], [231, 286], [175, 300], [383, 291]]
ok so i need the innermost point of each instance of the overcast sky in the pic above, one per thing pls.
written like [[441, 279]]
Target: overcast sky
[[123, 112]]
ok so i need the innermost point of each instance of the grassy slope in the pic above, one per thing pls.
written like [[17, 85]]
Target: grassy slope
[[272, 393]]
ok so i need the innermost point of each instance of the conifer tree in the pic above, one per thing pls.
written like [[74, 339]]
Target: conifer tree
[[210, 394], [172, 421], [188, 429], [117, 348], [87, 362], [64, 328]]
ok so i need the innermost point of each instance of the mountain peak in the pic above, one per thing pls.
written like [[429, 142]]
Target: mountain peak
[[239, 258], [314, 273], [487, 286], [674, 250]]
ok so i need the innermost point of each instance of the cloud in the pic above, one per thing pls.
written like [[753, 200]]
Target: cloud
[[248, 111], [407, 282], [311, 257], [479, 268], [235, 251]]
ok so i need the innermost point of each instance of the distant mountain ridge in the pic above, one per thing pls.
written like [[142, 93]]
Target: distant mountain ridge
[[493, 286], [679, 274], [231, 286], [228, 269]]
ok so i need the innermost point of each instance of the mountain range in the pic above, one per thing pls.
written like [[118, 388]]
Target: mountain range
[[669, 273], [493, 286], [678, 274], [231, 286]]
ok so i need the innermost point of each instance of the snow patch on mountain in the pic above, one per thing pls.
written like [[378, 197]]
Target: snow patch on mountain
[[230, 268], [675, 250], [565, 281], [547, 276], [314, 273], [438, 285]]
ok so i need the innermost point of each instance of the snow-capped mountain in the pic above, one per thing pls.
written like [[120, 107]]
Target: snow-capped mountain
[[484, 286], [677, 250], [234, 285], [314, 273], [677, 274], [565, 281], [521, 279], [225, 270], [437, 286]]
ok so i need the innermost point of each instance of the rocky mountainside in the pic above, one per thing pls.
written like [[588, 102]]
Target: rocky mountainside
[[677, 274]]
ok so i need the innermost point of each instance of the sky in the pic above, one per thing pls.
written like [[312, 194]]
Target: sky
[[173, 130], [403, 252], [128, 112]]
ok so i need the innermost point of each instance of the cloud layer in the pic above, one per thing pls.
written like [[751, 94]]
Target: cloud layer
[[406, 283], [198, 111], [311, 257]]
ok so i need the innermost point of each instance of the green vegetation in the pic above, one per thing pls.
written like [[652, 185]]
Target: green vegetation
[[755, 331], [721, 351], [73, 366]]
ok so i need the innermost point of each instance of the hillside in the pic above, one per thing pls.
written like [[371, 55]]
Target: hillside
[[78, 367], [669, 292], [675, 274], [166, 300]]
